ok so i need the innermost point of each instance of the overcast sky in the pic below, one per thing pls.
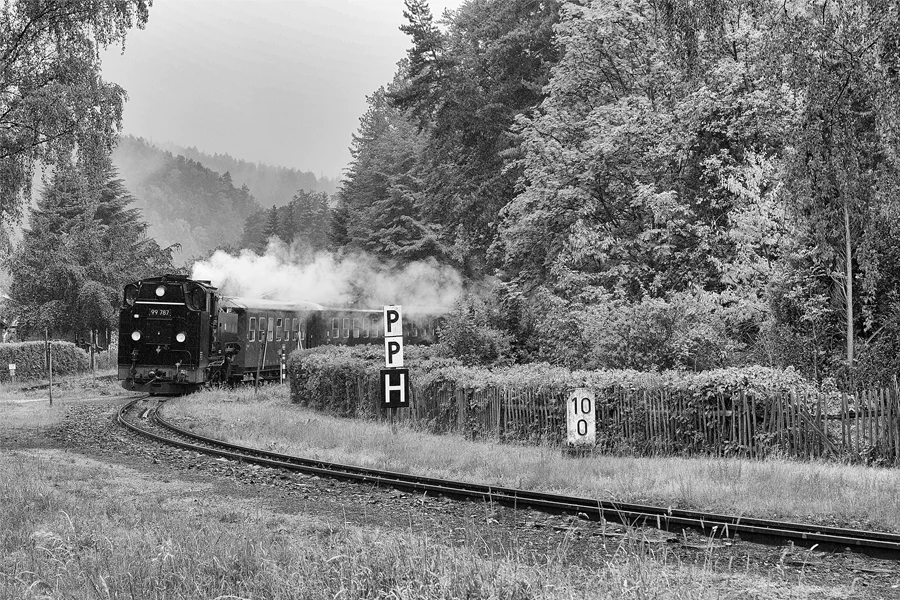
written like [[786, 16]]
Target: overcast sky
[[276, 81]]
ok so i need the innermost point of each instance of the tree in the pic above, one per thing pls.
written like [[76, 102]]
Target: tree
[[382, 193], [626, 165], [53, 102], [83, 244], [272, 223], [845, 167], [465, 89]]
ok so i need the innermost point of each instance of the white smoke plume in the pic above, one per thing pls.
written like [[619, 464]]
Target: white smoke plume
[[290, 274]]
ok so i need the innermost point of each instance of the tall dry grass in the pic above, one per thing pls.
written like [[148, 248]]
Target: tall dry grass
[[787, 489], [72, 528]]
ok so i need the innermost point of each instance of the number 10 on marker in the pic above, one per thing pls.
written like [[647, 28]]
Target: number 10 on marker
[[581, 418]]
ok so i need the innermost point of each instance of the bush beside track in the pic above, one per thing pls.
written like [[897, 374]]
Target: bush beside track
[[526, 402], [30, 359]]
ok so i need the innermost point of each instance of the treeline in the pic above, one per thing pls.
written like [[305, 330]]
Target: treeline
[[186, 202], [656, 183], [305, 221], [271, 184]]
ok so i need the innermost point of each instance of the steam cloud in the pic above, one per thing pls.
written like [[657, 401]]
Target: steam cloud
[[290, 274]]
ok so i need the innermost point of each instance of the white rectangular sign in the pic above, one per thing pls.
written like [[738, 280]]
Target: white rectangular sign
[[393, 321], [393, 352], [581, 417]]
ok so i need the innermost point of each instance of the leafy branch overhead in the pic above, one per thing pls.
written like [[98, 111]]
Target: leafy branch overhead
[[53, 101]]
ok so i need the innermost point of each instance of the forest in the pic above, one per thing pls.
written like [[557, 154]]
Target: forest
[[650, 184], [640, 184]]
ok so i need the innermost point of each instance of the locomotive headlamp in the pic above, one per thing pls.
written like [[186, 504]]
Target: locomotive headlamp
[[160, 290], [180, 337], [136, 335]]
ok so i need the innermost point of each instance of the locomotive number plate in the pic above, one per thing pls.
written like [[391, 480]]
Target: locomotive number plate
[[160, 312]]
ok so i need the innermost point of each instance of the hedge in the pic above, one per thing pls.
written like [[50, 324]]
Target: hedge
[[343, 381], [30, 359]]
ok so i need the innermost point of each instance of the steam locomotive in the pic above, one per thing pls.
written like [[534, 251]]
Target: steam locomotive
[[177, 334]]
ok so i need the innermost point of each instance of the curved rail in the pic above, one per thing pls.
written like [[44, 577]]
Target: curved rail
[[878, 544]]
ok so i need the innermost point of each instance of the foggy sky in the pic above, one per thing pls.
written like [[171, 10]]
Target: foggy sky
[[276, 81]]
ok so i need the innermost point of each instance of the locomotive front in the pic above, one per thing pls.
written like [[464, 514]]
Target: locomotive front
[[165, 334]]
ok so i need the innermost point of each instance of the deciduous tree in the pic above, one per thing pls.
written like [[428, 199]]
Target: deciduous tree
[[53, 101]]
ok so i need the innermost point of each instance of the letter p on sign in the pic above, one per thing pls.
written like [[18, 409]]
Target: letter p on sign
[[393, 321], [393, 352]]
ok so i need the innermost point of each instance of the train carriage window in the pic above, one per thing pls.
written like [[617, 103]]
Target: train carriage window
[[296, 329], [335, 328], [278, 329], [270, 335], [365, 327], [251, 332], [376, 327], [355, 328], [346, 327]]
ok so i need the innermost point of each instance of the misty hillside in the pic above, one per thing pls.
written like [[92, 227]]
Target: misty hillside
[[270, 185], [183, 201]]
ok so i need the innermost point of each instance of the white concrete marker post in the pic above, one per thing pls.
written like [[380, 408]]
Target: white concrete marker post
[[581, 419]]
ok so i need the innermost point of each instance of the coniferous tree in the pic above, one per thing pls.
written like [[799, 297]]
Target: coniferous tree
[[83, 244]]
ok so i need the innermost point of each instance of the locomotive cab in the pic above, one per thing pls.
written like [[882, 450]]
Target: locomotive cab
[[167, 335]]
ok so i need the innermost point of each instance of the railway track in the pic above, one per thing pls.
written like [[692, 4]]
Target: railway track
[[876, 544]]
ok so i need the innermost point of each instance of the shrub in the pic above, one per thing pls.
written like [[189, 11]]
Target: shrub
[[689, 330], [447, 394], [467, 334], [343, 380], [30, 359]]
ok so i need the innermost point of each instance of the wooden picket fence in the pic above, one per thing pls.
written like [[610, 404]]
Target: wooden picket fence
[[862, 426]]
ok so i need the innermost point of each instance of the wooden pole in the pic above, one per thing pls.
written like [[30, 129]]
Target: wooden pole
[[49, 363], [93, 369]]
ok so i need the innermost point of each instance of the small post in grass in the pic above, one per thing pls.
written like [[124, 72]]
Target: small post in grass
[[49, 363], [93, 345]]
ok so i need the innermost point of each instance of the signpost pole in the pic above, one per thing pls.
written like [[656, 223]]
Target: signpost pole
[[49, 362]]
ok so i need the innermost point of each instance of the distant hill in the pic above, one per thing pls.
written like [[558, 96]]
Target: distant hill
[[184, 201], [270, 185]]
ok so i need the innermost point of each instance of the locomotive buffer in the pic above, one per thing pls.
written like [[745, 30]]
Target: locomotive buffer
[[394, 378]]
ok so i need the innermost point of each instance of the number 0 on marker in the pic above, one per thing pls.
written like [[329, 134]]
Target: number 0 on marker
[[581, 419]]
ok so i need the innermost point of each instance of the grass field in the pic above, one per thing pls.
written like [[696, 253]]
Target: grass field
[[78, 526], [73, 527], [850, 495]]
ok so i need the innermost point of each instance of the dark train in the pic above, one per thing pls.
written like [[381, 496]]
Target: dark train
[[177, 334]]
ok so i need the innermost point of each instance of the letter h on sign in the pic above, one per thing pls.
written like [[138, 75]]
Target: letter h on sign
[[395, 388]]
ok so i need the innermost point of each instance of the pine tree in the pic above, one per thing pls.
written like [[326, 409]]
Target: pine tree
[[83, 244], [271, 228]]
